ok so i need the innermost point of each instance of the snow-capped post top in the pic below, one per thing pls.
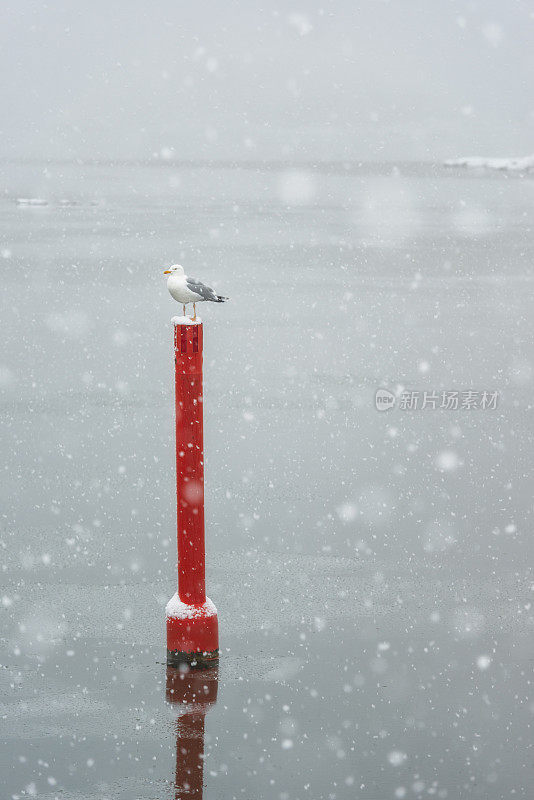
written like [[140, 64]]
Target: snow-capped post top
[[186, 321]]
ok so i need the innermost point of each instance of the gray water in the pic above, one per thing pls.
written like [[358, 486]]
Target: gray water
[[372, 569]]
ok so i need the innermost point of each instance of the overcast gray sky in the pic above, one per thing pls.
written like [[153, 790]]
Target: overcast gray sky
[[370, 79]]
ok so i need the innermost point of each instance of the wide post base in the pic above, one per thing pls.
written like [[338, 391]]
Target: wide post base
[[192, 633]]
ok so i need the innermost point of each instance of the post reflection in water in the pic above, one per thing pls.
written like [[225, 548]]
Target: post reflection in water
[[193, 692]]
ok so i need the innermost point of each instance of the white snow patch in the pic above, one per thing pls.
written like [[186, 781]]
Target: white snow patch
[[511, 528], [447, 461], [396, 758], [287, 744], [517, 164], [31, 201], [175, 608], [186, 321], [483, 662]]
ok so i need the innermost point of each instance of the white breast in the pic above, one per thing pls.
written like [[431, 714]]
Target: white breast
[[177, 286]]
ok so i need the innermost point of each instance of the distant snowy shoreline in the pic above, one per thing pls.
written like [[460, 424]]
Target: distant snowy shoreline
[[517, 164]]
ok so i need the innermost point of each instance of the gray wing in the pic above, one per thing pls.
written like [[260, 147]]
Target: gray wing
[[200, 288]]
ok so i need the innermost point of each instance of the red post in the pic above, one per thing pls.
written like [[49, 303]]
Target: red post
[[192, 628]]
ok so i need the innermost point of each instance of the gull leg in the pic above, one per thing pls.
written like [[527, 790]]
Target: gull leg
[[193, 318], [184, 310]]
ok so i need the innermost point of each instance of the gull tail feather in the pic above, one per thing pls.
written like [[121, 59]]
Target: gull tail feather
[[221, 299]]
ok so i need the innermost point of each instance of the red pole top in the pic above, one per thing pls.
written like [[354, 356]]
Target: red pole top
[[188, 344]]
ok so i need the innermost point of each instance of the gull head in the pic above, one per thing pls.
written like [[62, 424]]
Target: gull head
[[176, 269]]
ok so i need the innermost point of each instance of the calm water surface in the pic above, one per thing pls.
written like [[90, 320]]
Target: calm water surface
[[372, 570]]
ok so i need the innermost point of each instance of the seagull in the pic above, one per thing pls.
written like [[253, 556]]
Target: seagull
[[188, 290]]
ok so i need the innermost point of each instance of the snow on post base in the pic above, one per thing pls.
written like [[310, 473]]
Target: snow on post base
[[175, 608]]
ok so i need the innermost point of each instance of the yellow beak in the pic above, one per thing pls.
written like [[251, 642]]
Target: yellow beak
[[167, 272]]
